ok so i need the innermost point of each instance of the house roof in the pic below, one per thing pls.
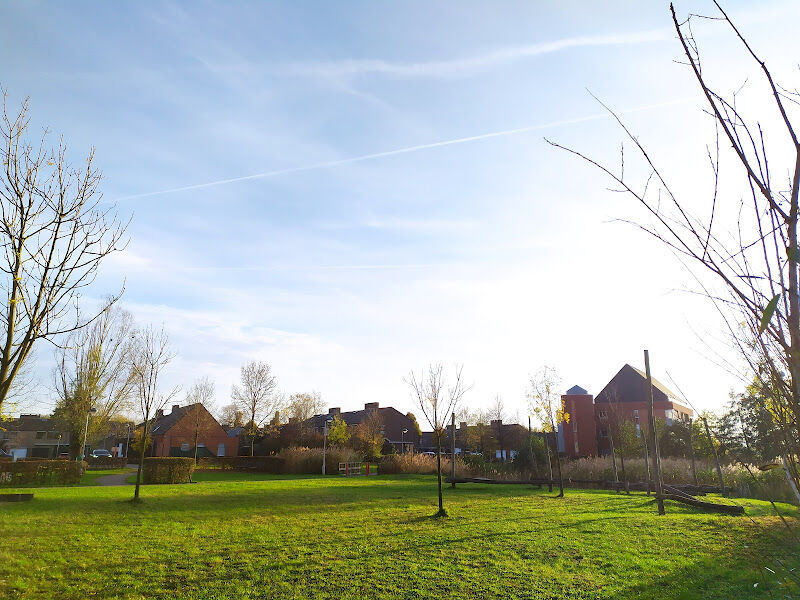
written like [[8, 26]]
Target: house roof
[[34, 423], [630, 385], [576, 390], [166, 422], [353, 417]]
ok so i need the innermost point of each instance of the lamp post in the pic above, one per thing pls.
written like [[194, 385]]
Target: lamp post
[[324, 443], [128, 441], [86, 432], [403, 440]]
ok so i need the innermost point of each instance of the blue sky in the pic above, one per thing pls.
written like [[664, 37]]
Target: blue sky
[[343, 269]]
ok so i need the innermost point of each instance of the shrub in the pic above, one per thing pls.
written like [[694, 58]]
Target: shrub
[[259, 464], [106, 462], [24, 473], [172, 469], [309, 460]]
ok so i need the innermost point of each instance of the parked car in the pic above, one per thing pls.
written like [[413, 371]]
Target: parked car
[[63, 455], [100, 453]]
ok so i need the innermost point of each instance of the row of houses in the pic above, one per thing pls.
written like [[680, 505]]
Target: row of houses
[[175, 433]]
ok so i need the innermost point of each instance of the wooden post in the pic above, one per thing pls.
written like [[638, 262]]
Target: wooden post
[[613, 456], [646, 458], [530, 445], [656, 470], [691, 453], [716, 456], [453, 455]]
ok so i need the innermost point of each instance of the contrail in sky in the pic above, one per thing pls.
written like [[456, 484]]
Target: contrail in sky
[[364, 157]]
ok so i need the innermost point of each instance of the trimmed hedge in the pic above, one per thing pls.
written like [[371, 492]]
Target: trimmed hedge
[[106, 462], [24, 473], [259, 464], [172, 469]]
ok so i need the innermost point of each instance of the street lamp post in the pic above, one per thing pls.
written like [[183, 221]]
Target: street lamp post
[[403, 440], [324, 443], [86, 432]]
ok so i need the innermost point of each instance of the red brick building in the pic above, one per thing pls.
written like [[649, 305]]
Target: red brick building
[[625, 397], [174, 434]]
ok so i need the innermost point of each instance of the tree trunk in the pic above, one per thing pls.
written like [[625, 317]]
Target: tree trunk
[[716, 457], [549, 464], [453, 455], [691, 454], [141, 461], [560, 476], [613, 455], [646, 458], [442, 512], [789, 478]]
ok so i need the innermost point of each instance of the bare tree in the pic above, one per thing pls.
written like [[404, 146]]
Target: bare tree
[[302, 407], [201, 398], [545, 404], [151, 355], [53, 233], [231, 416], [437, 400], [256, 397], [93, 370], [742, 247]]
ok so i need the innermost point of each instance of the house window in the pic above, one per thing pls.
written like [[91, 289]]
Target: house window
[[221, 450], [602, 415], [575, 425], [604, 433], [40, 435], [638, 430], [184, 447], [576, 447]]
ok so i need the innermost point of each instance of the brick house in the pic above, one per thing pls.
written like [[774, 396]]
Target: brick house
[[173, 434], [625, 397], [34, 436], [394, 423]]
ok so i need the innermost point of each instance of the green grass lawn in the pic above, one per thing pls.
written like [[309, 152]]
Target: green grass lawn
[[310, 537]]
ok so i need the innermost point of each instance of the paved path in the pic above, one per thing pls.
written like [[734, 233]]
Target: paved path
[[116, 479]]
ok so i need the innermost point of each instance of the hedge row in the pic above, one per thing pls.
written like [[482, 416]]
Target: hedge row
[[172, 469], [24, 473], [106, 462], [258, 464]]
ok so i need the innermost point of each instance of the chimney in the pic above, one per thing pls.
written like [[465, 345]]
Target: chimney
[[462, 425], [496, 422], [159, 413], [370, 405], [334, 411], [175, 407]]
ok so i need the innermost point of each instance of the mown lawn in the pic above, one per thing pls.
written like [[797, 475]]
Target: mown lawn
[[306, 537]]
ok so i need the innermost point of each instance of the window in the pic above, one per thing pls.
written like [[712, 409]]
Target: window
[[53, 435], [221, 450], [576, 447], [638, 430], [604, 433], [602, 415], [575, 425], [184, 447], [40, 435]]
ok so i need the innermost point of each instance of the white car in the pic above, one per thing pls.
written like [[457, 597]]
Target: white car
[[100, 453]]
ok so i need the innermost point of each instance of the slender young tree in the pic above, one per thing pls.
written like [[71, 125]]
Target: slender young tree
[[545, 404], [54, 234], [437, 400], [93, 370], [255, 396], [201, 399], [151, 355], [741, 245]]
